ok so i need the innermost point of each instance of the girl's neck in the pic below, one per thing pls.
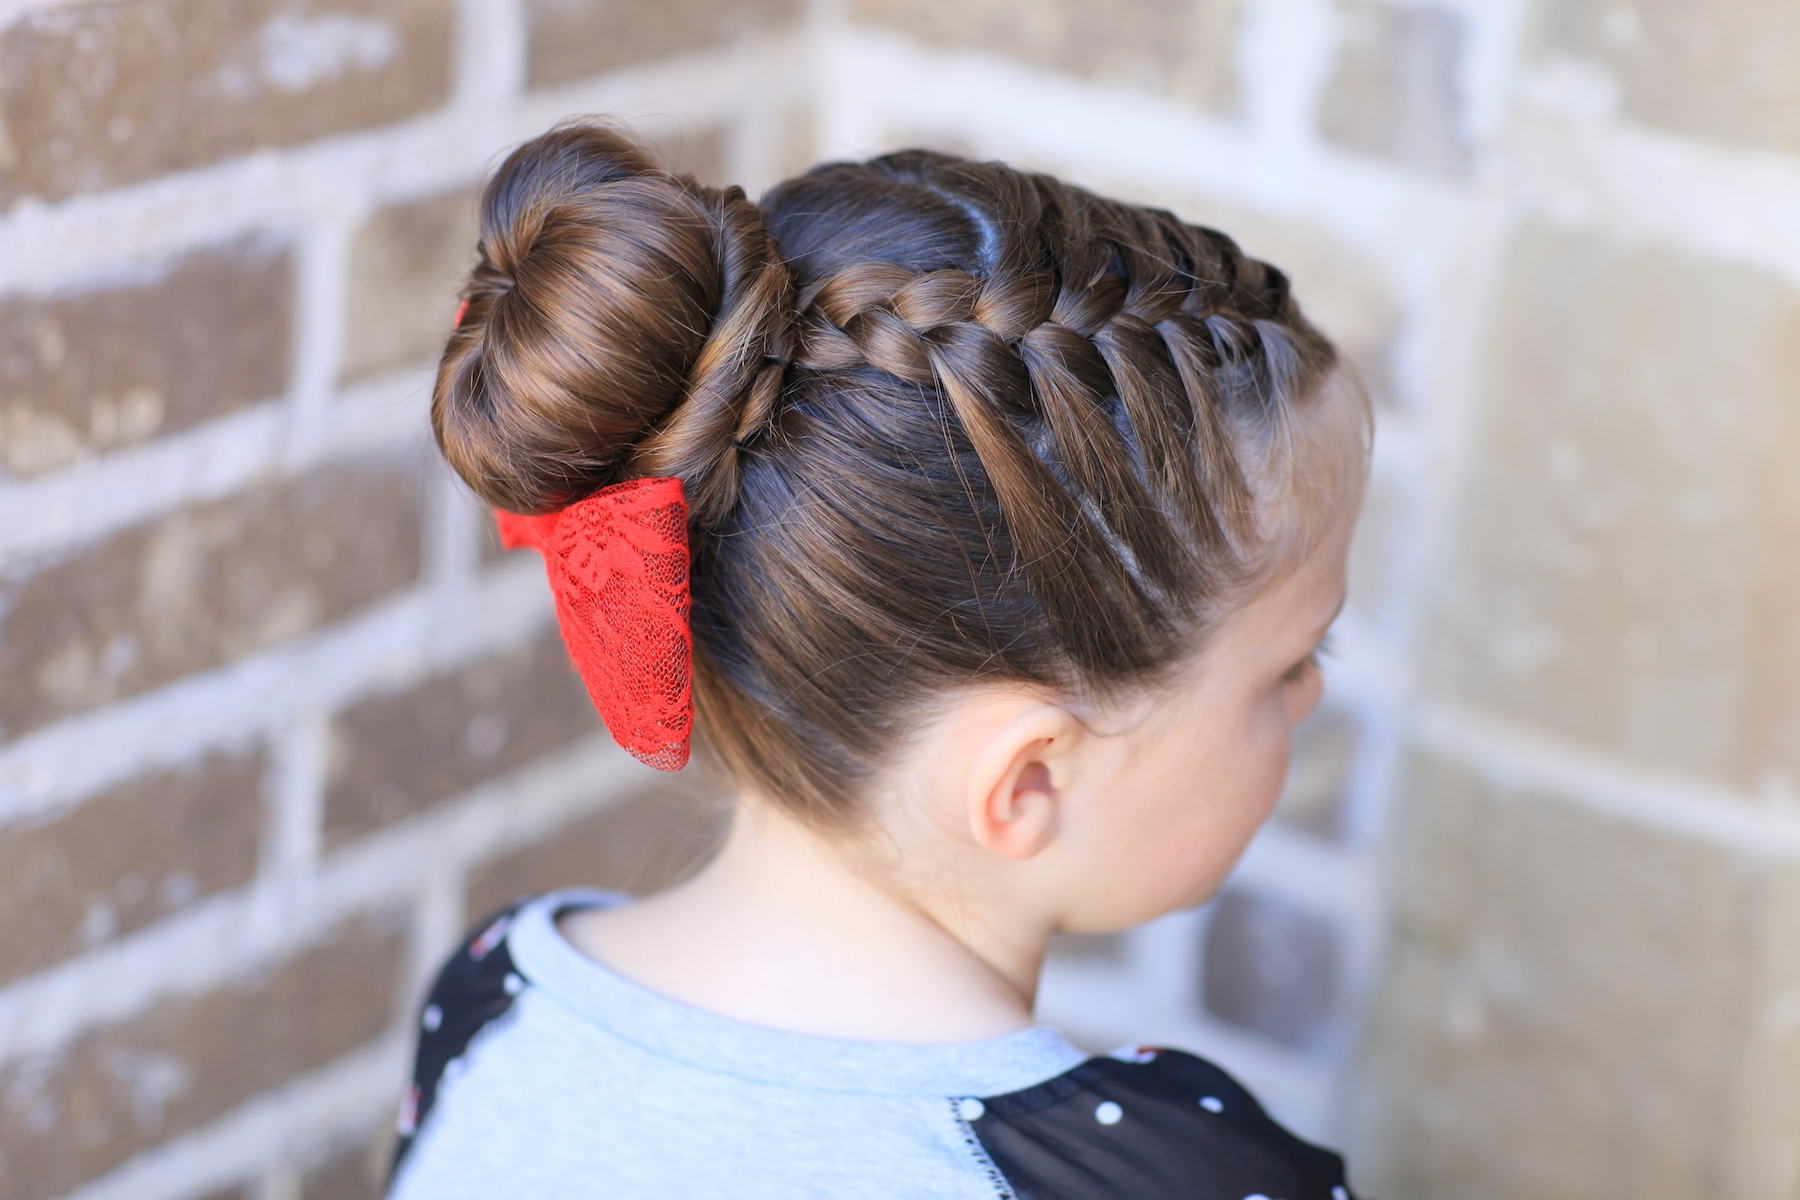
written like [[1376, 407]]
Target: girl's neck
[[793, 929]]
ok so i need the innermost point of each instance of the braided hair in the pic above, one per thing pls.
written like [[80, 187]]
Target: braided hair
[[940, 422]]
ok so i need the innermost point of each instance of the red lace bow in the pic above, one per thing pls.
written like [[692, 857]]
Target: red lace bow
[[618, 567]]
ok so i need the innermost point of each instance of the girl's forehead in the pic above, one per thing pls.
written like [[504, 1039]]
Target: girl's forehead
[[1310, 480], [1296, 608]]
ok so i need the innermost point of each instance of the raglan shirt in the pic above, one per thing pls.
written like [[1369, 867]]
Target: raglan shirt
[[541, 1073]]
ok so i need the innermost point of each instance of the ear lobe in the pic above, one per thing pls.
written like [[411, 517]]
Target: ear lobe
[[1015, 803]]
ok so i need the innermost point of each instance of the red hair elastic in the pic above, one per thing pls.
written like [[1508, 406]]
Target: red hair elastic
[[618, 567]]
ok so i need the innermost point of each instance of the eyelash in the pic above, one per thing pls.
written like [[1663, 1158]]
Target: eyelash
[[1298, 671]]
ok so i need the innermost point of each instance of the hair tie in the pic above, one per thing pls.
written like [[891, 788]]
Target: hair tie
[[462, 310], [618, 567]]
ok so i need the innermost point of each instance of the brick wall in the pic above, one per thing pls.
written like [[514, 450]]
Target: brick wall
[[277, 718], [1525, 924]]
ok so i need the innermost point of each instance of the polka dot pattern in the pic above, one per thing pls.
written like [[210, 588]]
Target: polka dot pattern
[[1165, 1125]]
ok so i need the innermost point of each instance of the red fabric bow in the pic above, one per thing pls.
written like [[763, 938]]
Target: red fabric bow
[[618, 567]]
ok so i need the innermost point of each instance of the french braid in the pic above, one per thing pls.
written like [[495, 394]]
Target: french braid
[[1136, 308], [939, 422]]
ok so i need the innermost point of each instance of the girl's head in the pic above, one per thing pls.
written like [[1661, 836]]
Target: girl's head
[[960, 443]]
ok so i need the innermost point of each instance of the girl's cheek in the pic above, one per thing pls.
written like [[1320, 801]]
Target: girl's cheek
[[1303, 695], [1211, 801], [1187, 871], [1272, 767]]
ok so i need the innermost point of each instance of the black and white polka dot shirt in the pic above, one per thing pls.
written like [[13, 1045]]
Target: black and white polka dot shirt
[[541, 1073]]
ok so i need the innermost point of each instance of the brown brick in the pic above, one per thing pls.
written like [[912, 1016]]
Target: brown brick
[[202, 586], [1619, 524], [652, 840], [358, 1172], [1181, 48], [1325, 749], [1394, 91], [1576, 1009], [1714, 68], [406, 267], [106, 367], [573, 38], [100, 94], [126, 858], [397, 754], [71, 1115], [1270, 966]]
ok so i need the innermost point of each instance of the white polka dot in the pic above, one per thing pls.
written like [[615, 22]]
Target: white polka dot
[[1109, 1113], [431, 1018], [1213, 1104], [1340, 1193], [970, 1109], [514, 985], [1256, 1196]]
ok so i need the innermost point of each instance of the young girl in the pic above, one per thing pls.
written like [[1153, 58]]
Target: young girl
[[1005, 522]]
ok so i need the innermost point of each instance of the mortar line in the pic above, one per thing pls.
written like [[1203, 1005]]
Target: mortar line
[[321, 293], [339, 1099], [76, 240], [1517, 759], [387, 648], [14, 10], [105, 494], [227, 937]]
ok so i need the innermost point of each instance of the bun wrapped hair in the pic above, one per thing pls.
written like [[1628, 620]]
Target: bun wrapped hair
[[966, 424], [622, 322]]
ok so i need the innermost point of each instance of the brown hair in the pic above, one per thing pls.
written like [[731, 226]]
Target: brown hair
[[939, 422]]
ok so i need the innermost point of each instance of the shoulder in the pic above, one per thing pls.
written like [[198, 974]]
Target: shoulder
[[1153, 1125], [473, 990]]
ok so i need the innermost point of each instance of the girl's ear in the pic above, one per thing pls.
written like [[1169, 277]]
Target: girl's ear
[[1018, 782]]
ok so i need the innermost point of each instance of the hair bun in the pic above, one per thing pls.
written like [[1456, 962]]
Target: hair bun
[[602, 282]]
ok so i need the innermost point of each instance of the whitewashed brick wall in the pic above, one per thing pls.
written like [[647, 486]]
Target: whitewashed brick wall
[[277, 718]]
